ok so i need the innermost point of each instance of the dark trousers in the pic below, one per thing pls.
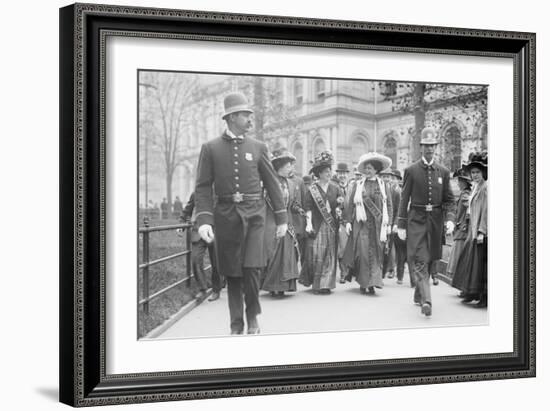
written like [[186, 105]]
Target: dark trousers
[[400, 247], [198, 250], [244, 291], [302, 241], [420, 266], [388, 260]]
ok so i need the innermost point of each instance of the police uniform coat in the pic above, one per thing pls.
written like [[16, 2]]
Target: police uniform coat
[[237, 166], [425, 185]]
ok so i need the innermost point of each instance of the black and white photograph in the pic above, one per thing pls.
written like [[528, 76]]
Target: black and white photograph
[[286, 200], [283, 205]]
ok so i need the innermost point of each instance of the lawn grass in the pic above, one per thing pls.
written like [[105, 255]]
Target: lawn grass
[[162, 244]]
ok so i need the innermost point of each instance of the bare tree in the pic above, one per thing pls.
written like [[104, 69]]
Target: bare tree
[[166, 98], [272, 118]]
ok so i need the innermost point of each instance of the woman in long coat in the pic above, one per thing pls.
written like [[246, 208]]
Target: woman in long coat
[[281, 271], [367, 218], [322, 204], [471, 270], [460, 233]]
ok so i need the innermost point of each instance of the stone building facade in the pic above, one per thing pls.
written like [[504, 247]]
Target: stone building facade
[[347, 117]]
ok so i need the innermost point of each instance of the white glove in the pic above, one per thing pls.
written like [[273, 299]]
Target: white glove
[[206, 233], [348, 228], [402, 234], [281, 230], [450, 227], [394, 228]]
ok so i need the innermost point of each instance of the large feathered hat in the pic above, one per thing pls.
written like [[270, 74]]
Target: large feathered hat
[[322, 160], [378, 161], [477, 160]]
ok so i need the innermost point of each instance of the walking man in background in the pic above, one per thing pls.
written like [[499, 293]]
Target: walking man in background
[[426, 185], [233, 168], [342, 173], [198, 250]]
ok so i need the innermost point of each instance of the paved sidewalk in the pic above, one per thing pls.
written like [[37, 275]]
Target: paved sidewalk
[[344, 309]]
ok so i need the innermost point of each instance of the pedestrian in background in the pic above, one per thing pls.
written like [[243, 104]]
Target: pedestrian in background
[[281, 271], [178, 207], [462, 222], [342, 172], [388, 266], [399, 245], [471, 270], [198, 252]]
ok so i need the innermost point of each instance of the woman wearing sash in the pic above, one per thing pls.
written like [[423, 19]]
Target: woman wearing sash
[[281, 271], [367, 222], [322, 205]]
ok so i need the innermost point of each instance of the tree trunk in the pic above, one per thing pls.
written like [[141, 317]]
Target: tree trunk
[[169, 177], [259, 107], [419, 110]]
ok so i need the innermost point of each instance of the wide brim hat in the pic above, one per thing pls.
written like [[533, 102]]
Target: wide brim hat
[[477, 160], [379, 161], [397, 174], [235, 103], [322, 160], [343, 167], [281, 157], [428, 136], [387, 171]]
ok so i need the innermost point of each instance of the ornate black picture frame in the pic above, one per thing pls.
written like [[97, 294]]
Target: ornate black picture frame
[[83, 30]]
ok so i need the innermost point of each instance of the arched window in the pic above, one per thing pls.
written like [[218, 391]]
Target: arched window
[[318, 146], [452, 154], [390, 148], [298, 152], [359, 146]]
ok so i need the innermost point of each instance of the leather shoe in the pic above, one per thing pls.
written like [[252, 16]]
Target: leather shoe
[[214, 296], [236, 332], [427, 309], [253, 327], [435, 281]]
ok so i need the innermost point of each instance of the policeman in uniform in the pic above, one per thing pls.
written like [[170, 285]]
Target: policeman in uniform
[[231, 171], [426, 185]]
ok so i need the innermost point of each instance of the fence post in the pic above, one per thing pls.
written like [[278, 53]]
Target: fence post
[[146, 268], [188, 256]]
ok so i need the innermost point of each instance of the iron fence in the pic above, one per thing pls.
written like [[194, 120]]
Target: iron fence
[[146, 263]]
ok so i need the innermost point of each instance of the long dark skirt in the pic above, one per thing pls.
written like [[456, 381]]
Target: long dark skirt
[[319, 265], [471, 270], [364, 254], [282, 269], [456, 251]]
